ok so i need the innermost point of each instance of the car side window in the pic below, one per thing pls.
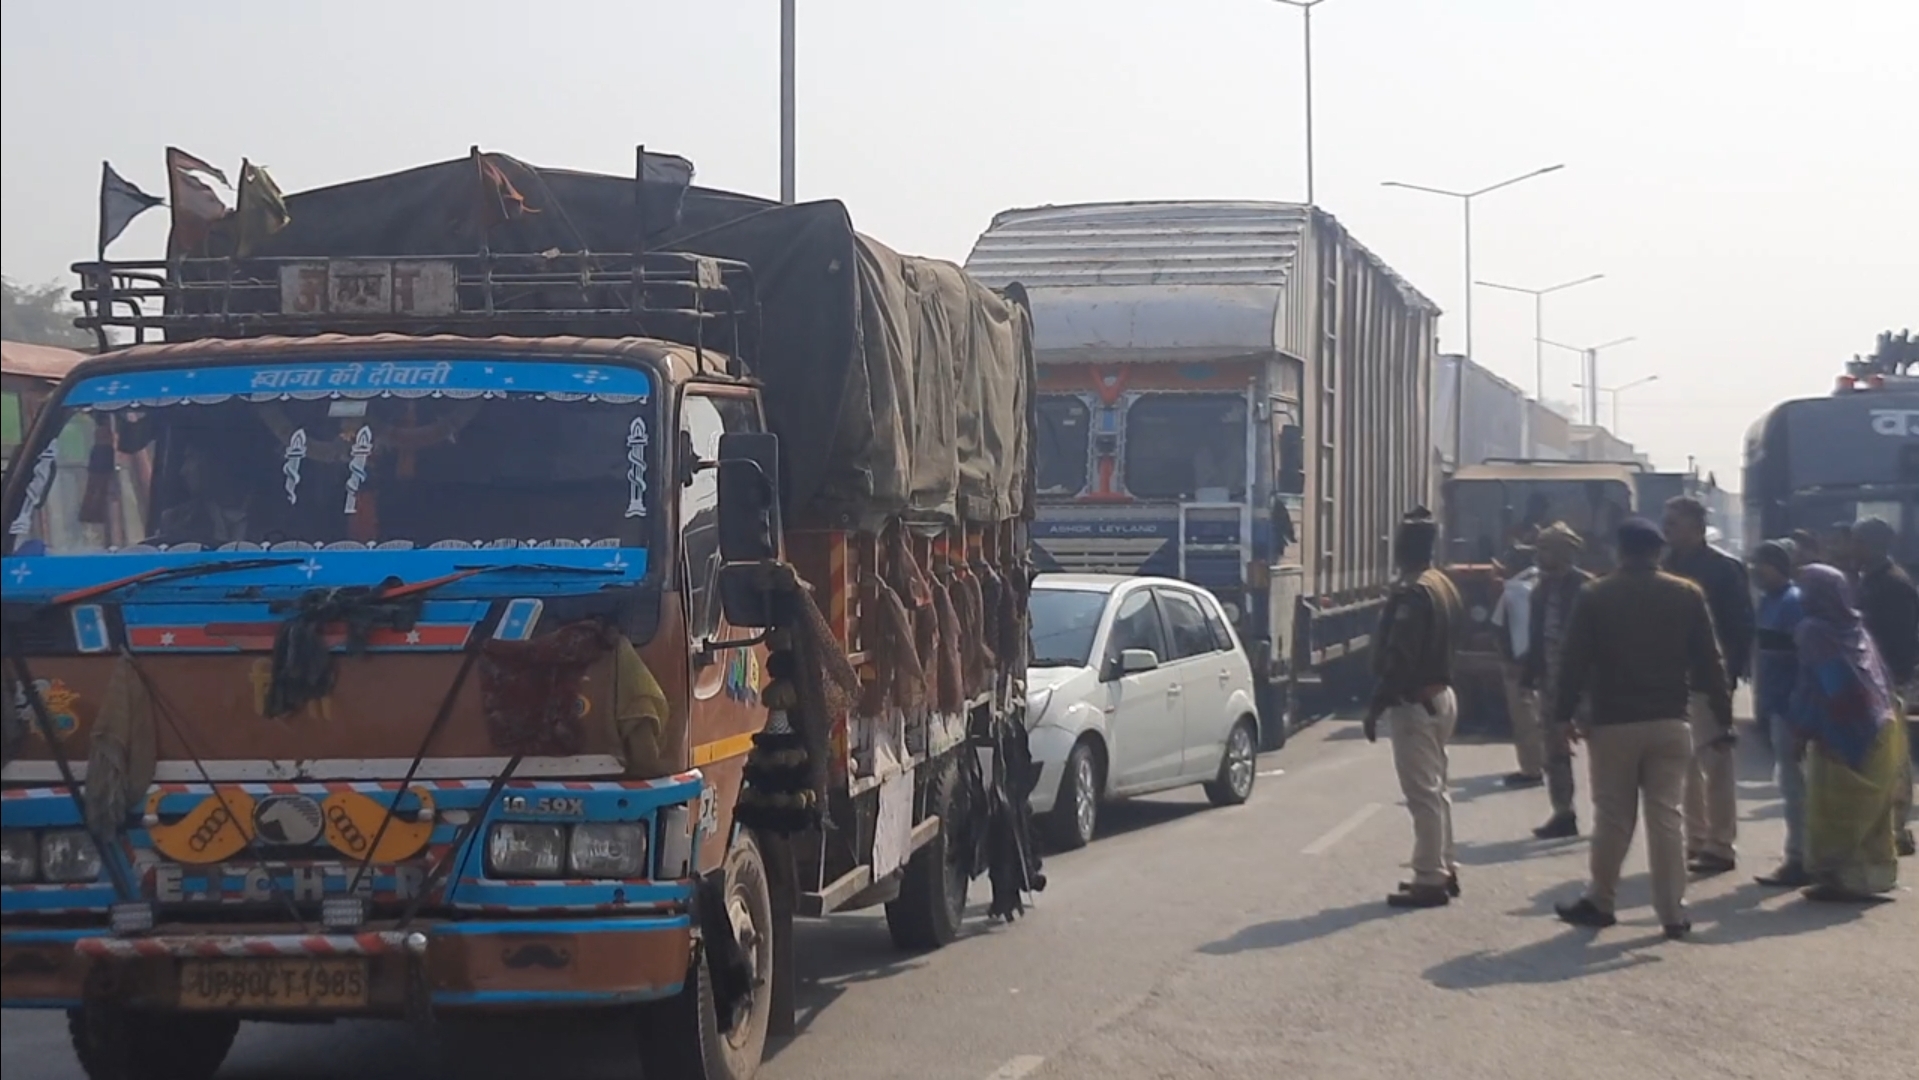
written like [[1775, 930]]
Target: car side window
[[1222, 637], [1136, 626], [1192, 635]]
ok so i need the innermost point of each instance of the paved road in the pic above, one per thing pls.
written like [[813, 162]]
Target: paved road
[[1253, 943]]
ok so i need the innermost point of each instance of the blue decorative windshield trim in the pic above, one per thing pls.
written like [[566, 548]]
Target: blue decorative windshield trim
[[37, 579], [317, 380]]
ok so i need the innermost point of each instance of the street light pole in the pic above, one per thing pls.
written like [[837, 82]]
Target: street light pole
[[1590, 355], [787, 110], [1306, 8], [1539, 323], [1615, 391], [1467, 197]]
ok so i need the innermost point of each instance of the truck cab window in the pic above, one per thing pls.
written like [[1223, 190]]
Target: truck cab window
[[1186, 446], [1064, 429]]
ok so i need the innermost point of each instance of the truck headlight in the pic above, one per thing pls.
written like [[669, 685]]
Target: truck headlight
[[19, 857], [69, 855], [611, 849], [514, 849]]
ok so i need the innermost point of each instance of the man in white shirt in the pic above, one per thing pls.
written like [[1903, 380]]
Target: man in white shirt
[[1513, 614]]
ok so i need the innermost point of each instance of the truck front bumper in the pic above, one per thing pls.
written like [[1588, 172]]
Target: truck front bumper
[[432, 966]]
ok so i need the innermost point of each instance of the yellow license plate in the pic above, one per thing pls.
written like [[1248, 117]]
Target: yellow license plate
[[273, 984]]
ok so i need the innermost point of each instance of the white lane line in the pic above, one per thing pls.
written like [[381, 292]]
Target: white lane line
[[1342, 830], [1018, 1067]]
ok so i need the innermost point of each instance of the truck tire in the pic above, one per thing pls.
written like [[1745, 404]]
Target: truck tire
[[680, 1038], [1278, 714], [115, 1043], [1070, 824], [1238, 765], [932, 900]]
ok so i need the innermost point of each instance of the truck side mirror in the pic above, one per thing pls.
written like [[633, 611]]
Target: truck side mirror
[[749, 497]]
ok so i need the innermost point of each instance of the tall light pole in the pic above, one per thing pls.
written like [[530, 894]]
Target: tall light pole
[[1590, 375], [1615, 391], [1306, 8], [787, 51], [1539, 323], [1466, 201]]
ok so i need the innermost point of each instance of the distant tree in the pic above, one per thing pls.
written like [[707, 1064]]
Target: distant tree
[[41, 315]]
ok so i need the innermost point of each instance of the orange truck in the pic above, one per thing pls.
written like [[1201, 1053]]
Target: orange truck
[[528, 633]]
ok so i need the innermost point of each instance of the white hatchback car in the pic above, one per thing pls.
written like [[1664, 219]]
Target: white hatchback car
[[1137, 685]]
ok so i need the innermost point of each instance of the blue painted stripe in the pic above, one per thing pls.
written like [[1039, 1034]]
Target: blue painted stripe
[[38, 578], [454, 998], [177, 614], [48, 937], [475, 892], [41, 1003], [336, 377], [632, 925], [96, 898], [41, 810]]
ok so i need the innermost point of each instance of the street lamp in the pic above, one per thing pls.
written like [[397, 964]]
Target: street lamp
[[1615, 391], [1539, 311], [787, 50], [1591, 372], [1306, 8], [1466, 200]]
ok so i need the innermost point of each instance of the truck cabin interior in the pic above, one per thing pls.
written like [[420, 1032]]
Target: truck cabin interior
[[1484, 517]]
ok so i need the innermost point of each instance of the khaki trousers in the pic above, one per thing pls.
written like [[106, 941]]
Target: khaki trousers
[[1630, 762], [1523, 706], [1419, 754], [1712, 788]]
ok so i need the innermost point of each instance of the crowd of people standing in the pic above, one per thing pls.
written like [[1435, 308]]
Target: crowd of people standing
[[1640, 666]]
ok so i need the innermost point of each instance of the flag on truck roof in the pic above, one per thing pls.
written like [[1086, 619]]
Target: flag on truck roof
[[196, 200], [120, 203], [500, 201], [260, 209]]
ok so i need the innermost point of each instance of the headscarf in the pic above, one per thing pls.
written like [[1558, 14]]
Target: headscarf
[[1842, 697], [1776, 554]]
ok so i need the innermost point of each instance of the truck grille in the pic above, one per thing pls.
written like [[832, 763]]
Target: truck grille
[[1100, 556]]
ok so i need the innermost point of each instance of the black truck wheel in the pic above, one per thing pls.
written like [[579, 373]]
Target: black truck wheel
[[680, 1038], [932, 900], [114, 1043], [1278, 714]]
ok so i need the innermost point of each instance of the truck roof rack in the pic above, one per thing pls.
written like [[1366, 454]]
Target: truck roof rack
[[1894, 356], [1639, 465], [693, 299]]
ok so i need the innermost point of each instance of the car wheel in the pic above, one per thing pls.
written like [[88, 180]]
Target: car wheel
[[1075, 813], [1237, 767]]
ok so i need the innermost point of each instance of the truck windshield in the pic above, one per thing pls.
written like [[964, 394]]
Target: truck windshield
[[1064, 445], [1187, 446], [341, 455], [1483, 517]]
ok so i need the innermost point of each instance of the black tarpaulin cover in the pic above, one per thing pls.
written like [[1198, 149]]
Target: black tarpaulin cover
[[899, 386]]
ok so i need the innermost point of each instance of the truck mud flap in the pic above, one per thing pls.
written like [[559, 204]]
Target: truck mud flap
[[732, 979], [1011, 848]]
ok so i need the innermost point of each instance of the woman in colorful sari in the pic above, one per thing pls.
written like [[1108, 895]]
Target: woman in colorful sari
[[1841, 712]]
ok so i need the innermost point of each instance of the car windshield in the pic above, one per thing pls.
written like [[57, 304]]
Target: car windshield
[[340, 455], [1064, 622]]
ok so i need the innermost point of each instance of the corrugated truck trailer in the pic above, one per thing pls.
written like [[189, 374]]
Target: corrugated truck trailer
[[1232, 393]]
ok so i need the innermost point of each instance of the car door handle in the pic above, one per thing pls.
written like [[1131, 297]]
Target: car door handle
[[1225, 677], [1172, 691]]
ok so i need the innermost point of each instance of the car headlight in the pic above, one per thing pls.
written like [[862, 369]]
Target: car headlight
[[19, 857], [1036, 703], [610, 849], [69, 855], [514, 849]]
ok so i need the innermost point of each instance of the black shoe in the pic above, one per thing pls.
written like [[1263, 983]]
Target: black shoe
[[1452, 886], [1712, 865], [1790, 875], [1585, 913], [1520, 780], [1905, 844], [1559, 827], [1678, 931], [1420, 896]]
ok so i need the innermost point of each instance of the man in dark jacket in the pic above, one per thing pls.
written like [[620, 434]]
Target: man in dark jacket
[[1639, 650], [1557, 550], [1712, 796], [1413, 660], [1890, 604]]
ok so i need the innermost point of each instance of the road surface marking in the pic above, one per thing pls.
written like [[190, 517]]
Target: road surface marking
[[1340, 831], [1018, 1067]]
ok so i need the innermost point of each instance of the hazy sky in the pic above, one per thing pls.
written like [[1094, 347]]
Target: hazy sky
[[1745, 172]]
